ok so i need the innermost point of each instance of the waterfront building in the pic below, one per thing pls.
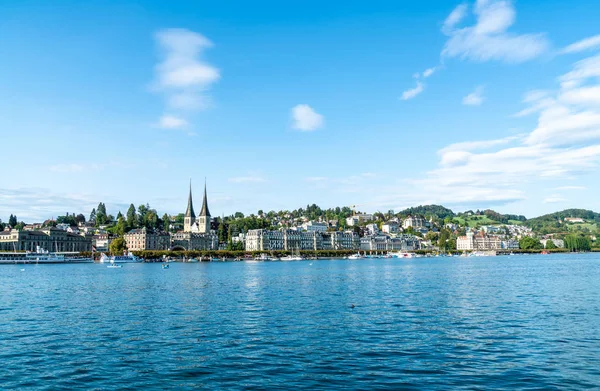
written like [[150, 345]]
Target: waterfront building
[[480, 241], [264, 240], [510, 244], [143, 239], [289, 240], [387, 243], [50, 239]]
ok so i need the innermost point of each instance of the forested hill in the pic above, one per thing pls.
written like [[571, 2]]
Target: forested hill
[[428, 210], [553, 218]]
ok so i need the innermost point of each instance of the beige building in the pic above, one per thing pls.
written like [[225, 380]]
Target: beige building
[[479, 242], [49, 239], [265, 240], [143, 239]]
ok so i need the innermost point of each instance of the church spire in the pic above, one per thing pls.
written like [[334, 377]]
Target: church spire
[[190, 208], [204, 211]]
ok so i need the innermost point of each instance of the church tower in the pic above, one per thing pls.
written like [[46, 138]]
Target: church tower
[[204, 217], [190, 216]]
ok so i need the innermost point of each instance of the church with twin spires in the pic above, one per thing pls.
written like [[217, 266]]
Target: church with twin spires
[[196, 234], [200, 224]]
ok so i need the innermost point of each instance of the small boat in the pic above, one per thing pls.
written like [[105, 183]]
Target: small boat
[[165, 266], [355, 256], [192, 260], [114, 266]]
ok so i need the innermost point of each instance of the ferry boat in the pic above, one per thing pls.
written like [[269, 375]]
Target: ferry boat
[[41, 256], [126, 258]]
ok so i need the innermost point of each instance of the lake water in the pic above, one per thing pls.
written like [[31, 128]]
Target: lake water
[[520, 322]]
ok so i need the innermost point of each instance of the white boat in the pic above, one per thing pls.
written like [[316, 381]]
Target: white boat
[[265, 258], [294, 256], [127, 258], [355, 256], [192, 260], [403, 255], [41, 256], [114, 266]]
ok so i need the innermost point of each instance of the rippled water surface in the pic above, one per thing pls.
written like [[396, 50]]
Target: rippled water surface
[[521, 322]]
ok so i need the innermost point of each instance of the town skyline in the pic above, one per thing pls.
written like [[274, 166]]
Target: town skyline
[[472, 105]]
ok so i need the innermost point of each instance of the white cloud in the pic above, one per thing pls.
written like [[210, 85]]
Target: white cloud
[[584, 44], [428, 72], [555, 198], [413, 92], [172, 122], [455, 17], [305, 118], [475, 98], [571, 188], [488, 39], [183, 76], [250, 178]]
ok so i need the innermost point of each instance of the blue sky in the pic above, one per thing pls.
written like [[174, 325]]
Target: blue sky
[[383, 104]]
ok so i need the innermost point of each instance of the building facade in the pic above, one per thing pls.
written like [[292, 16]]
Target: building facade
[[49, 239], [289, 240], [143, 239], [197, 233]]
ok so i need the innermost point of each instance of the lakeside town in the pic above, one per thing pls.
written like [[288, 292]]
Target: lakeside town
[[424, 229]]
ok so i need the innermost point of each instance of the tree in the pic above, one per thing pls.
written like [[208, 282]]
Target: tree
[[443, 240], [121, 226], [529, 243], [1, 225], [80, 218], [550, 245], [117, 246], [92, 218], [12, 220], [577, 242], [166, 220], [131, 217], [101, 216]]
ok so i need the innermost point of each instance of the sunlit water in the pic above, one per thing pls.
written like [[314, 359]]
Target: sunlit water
[[476, 323]]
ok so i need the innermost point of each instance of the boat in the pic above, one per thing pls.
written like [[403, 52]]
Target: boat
[[125, 258], [165, 266], [42, 256], [265, 258], [294, 256], [193, 260], [403, 255], [356, 256], [114, 266]]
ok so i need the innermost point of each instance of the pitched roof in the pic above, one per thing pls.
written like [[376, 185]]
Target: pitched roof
[[190, 207], [204, 212]]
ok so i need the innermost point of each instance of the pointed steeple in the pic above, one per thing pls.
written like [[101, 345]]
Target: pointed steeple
[[190, 207], [204, 211]]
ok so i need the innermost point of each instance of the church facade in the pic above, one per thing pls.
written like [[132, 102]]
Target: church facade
[[196, 234]]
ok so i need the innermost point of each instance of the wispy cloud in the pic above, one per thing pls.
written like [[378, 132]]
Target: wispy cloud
[[413, 92], [555, 198], [583, 45], [475, 98], [305, 118], [172, 122], [570, 188], [182, 75], [488, 39], [250, 178]]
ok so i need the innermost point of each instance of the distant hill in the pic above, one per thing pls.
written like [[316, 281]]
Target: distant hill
[[552, 222], [429, 210], [504, 218]]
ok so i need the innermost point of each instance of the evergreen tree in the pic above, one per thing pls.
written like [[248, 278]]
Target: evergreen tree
[[92, 218], [132, 221], [166, 221], [12, 220]]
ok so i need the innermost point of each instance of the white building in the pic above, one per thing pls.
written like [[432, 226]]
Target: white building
[[359, 218], [313, 226], [414, 222], [480, 241], [391, 227], [372, 229]]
